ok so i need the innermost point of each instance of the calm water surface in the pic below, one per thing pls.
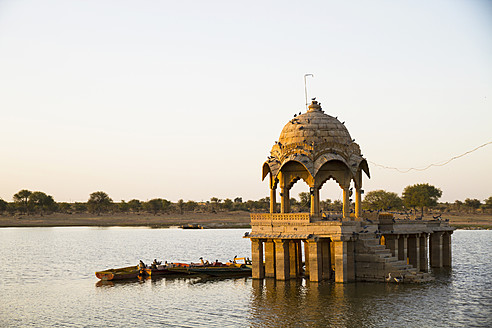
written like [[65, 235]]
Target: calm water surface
[[48, 281]]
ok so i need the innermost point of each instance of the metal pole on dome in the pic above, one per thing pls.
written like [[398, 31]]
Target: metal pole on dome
[[305, 88]]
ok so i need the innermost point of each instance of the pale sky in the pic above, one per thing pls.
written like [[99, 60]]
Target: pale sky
[[184, 99]]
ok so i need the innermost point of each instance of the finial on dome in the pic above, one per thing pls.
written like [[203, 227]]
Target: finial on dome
[[315, 106]]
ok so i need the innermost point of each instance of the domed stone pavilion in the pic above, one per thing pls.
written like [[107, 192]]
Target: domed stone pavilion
[[315, 147], [358, 246]]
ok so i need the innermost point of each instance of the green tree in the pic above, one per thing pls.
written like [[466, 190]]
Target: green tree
[[154, 205], [123, 206], [488, 203], [458, 204], [180, 205], [41, 203], [472, 204], [21, 200], [64, 208], [99, 202], [337, 205], [382, 200], [135, 205], [190, 206], [80, 207], [304, 201], [3, 206], [227, 204], [421, 195], [215, 203]]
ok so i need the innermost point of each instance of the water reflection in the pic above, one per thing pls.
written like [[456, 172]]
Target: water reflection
[[300, 303]]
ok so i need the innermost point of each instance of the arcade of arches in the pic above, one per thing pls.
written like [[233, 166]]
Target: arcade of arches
[[315, 147]]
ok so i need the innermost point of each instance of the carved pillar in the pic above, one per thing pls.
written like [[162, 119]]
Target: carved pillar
[[346, 203], [402, 248], [392, 244], [293, 259], [273, 200], [414, 251], [314, 201], [446, 249], [258, 271], [344, 261], [435, 245], [270, 259], [325, 252], [315, 261], [423, 253], [282, 265], [358, 204], [284, 200]]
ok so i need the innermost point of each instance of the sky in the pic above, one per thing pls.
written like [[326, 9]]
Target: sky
[[184, 99]]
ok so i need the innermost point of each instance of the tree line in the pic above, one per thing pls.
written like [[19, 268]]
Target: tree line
[[99, 202], [414, 198]]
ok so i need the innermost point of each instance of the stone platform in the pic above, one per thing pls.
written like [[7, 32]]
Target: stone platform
[[291, 245]]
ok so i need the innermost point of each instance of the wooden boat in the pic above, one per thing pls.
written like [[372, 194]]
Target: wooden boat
[[166, 269], [130, 272], [221, 271], [191, 226]]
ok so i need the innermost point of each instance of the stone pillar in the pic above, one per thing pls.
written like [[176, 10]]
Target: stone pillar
[[315, 261], [284, 200], [306, 258], [435, 243], [446, 249], [346, 203], [423, 253], [325, 251], [293, 259], [392, 244], [344, 261], [358, 204], [414, 251], [258, 271], [402, 248], [282, 266], [273, 200], [270, 259], [314, 201]]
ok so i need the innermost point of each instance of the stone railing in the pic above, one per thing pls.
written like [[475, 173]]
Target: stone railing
[[280, 218]]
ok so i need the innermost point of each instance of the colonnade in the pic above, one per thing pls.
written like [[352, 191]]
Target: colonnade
[[416, 249], [282, 259], [315, 201]]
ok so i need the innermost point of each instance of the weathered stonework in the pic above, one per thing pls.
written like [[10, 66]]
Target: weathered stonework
[[316, 147]]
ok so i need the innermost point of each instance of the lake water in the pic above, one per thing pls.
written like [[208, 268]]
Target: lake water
[[48, 281]]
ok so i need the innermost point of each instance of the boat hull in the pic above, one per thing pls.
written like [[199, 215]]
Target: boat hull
[[119, 274], [221, 271]]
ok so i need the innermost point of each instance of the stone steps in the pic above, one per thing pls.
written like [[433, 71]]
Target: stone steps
[[374, 262]]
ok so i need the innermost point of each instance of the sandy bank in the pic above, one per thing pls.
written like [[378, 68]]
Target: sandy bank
[[237, 219]]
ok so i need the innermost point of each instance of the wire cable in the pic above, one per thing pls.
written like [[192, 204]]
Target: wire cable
[[406, 170]]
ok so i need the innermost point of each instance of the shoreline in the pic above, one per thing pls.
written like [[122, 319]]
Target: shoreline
[[220, 220]]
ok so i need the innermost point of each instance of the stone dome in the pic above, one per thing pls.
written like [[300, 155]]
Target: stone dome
[[313, 139], [315, 127]]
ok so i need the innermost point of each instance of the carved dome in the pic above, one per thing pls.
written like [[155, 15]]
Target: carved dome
[[313, 139]]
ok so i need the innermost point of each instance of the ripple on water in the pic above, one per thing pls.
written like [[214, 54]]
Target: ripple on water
[[48, 280]]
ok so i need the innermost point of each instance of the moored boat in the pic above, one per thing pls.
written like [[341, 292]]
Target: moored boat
[[166, 269], [221, 271], [191, 226], [130, 272]]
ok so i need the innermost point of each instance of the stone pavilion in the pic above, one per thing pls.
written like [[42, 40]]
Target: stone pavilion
[[353, 246]]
